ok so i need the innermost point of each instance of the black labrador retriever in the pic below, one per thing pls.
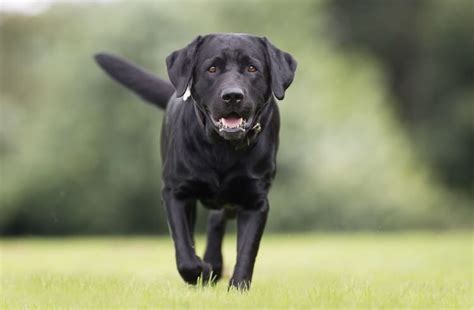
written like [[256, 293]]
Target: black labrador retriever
[[218, 142]]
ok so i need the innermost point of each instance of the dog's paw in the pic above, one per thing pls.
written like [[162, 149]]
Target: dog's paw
[[239, 284], [216, 265], [193, 271], [216, 271]]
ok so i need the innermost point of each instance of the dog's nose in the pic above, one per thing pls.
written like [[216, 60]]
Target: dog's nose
[[233, 94]]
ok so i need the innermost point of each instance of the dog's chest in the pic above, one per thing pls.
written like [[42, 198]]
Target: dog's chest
[[220, 181], [215, 194]]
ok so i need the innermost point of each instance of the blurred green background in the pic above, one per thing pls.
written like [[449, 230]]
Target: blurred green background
[[377, 128]]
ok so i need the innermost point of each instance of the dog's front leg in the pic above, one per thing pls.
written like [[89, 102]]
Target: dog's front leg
[[250, 226], [215, 234], [190, 266]]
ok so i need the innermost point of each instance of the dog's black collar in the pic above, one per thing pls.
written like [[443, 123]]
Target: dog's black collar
[[252, 134], [257, 123]]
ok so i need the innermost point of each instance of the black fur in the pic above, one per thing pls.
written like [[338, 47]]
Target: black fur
[[143, 83], [228, 170]]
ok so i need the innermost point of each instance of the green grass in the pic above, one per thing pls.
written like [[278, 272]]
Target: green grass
[[396, 270]]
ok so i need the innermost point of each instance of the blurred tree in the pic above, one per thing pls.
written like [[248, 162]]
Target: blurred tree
[[79, 154], [427, 50]]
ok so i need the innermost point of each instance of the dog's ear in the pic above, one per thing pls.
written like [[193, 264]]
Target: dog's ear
[[282, 69], [181, 64], [143, 83]]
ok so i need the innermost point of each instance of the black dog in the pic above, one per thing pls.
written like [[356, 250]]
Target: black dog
[[218, 142]]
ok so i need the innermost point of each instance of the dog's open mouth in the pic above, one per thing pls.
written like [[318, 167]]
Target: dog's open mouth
[[232, 122]]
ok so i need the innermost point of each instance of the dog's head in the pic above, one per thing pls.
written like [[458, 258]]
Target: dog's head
[[230, 77]]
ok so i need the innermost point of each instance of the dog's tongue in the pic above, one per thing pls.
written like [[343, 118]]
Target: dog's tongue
[[231, 121]]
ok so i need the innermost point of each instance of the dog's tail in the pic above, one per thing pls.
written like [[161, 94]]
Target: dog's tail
[[145, 84]]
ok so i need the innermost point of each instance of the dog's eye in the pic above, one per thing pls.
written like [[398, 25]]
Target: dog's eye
[[212, 69], [251, 69]]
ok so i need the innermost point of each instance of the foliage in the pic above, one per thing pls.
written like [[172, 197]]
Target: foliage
[[427, 50], [79, 154]]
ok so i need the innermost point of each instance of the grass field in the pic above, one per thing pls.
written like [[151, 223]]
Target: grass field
[[389, 270]]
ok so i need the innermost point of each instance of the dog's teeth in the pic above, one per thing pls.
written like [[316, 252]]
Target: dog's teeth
[[222, 124]]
